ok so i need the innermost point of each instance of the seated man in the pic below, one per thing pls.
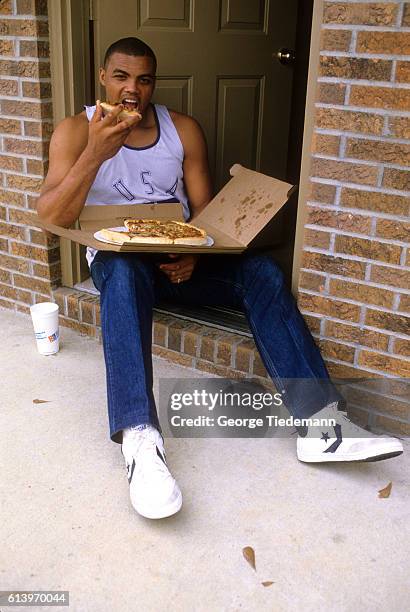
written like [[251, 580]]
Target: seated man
[[162, 157]]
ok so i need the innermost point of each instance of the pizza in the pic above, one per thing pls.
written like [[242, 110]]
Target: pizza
[[130, 110], [156, 231]]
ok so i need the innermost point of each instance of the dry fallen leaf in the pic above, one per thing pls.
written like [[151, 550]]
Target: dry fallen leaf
[[249, 555], [386, 491], [39, 401], [267, 583]]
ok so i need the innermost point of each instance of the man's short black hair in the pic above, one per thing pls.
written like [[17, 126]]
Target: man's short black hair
[[131, 46]]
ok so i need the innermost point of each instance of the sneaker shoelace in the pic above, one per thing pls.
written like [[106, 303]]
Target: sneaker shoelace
[[146, 440]]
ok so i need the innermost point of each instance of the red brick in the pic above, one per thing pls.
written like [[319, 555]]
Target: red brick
[[372, 200], [6, 7], [396, 230], [406, 15], [30, 69], [36, 90], [34, 110], [383, 363], [173, 356], [403, 71], [159, 333], [344, 171], [5, 277], [311, 281], [313, 323], [333, 265], [361, 293], [40, 129], [26, 147], [52, 271], [8, 87], [404, 305], [8, 162], [258, 366], [82, 328], [244, 355], [402, 347], [388, 321], [14, 263], [321, 192], [339, 220], [335, 350], [370, 399], [325, 144], [369, 249], [34, 48], [360, 13], [357, 335], [34, 284], [394, 277], [25, 183], [36, 253], [192, 341], [7, 304], [7, 46], [396, 179], [355, 68], [393, 426], [331, 93], [391, 43], [12, 231], [400, 127], [87, 310], [350, 121], [10, 126], [335, 40], [316, 238], [32, 7], [374, 150], [327, 307], [380, 97], [11, 197]]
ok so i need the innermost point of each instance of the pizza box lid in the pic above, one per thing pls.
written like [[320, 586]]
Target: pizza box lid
[[234, 217]]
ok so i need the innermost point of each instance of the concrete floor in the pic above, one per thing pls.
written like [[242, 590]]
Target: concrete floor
[[321, 534]]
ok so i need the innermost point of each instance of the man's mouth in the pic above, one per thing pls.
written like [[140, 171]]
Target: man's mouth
[[130, 104]]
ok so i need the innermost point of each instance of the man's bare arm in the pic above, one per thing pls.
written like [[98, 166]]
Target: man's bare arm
[[77, 150], [70, 176], [197, 178]]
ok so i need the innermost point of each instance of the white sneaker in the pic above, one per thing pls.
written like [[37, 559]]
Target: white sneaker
[[154, 492], [344, 441]]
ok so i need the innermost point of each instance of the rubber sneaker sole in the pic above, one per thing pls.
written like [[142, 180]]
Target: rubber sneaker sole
[[159, 513], [390, 450]]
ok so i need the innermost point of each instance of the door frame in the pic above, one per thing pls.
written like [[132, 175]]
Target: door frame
[[70, 81]]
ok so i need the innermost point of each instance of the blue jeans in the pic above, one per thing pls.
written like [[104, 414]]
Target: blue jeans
[[131, 284]]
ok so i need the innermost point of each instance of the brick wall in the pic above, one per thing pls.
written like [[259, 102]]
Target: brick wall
[[355, 279], [29, 260]]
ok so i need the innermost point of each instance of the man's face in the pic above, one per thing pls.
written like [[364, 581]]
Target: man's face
[[129, 78]]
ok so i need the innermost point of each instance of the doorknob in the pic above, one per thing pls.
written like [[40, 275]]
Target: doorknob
[[285, 56]]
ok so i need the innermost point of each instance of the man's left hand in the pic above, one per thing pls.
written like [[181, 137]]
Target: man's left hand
[[181, 269]]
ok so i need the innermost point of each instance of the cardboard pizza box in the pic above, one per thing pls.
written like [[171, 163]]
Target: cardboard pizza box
[[233, 218]]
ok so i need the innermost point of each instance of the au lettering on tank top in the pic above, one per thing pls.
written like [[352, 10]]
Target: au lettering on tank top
[[141, 175]]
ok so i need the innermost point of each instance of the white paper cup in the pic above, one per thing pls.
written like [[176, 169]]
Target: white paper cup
[[45, 322]]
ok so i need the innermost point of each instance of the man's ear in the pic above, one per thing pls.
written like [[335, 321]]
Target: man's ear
[[102, 76]]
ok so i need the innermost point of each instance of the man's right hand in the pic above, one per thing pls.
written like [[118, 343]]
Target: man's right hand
[[106, 135]]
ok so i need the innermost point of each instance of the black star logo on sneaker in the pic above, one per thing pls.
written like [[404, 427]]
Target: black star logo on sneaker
[[325, 436]]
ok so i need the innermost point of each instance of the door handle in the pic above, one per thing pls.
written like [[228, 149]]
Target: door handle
[[285, 56]]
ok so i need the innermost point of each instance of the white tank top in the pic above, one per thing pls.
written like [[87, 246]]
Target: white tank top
[[140, 175]]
